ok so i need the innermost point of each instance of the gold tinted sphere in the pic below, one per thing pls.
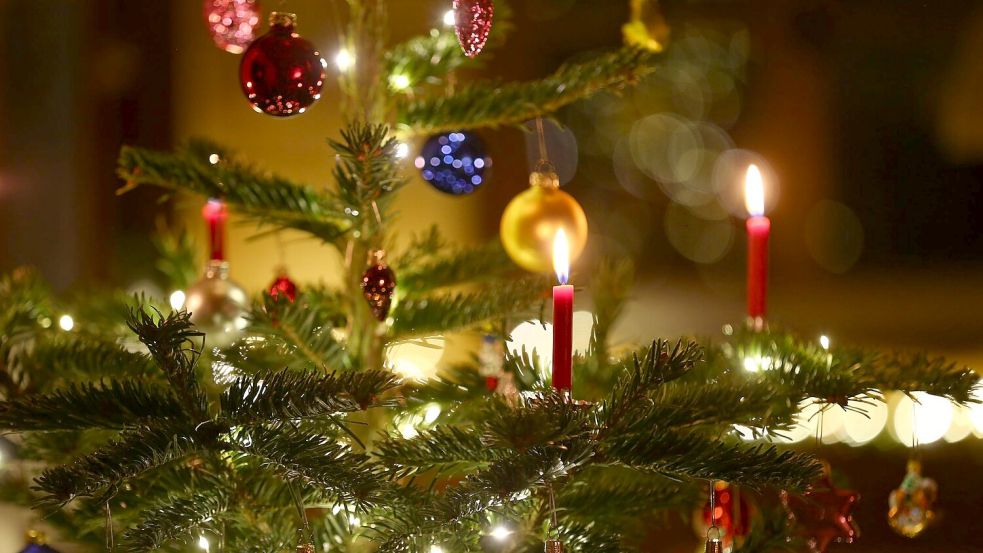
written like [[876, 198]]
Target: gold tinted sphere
[[530, 223]]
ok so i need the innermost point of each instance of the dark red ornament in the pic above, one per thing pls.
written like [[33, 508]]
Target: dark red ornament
[[281, 73], [232, 23], [824, 514], [378, 284], [731, 514], [473, 22], [283, 288]]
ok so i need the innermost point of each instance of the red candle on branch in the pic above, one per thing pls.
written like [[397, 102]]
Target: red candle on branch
[[562, 316], [215, 214], [758, 229]]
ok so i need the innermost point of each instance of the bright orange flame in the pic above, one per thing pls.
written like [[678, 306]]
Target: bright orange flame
[[561, 256], [754, 191]]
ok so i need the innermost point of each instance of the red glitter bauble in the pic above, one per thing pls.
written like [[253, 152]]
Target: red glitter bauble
[[283, 289], [824, 514], [281, 73], [731, 513], [232, 23], [473, 22]]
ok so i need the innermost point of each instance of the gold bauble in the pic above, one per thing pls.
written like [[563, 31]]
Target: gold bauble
[[531, 220], [218, 306]]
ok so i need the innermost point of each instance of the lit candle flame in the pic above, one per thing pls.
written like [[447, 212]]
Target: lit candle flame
[[561, 256], [754, 192]]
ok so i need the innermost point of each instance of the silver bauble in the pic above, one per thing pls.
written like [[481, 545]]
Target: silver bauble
[[217, 305]]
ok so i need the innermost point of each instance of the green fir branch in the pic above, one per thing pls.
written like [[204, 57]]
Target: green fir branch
[[494, 104], [264, 199], [175, 519], [446, 267], [105, 404], [288, 394], [441, 313]]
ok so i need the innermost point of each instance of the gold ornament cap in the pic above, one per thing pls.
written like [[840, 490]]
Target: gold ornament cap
[[36, 537], [715, 546], [544, 179], [554, 546], [283, 19]]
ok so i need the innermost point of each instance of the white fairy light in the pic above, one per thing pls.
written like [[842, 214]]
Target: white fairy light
[[824, 342], [214, 159], [500, 533], [203, 543], [450, 19], [66, 322], [402, 150], [176, 299], [344, 60], [399, 81]]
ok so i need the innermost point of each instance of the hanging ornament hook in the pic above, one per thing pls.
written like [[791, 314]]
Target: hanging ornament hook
[[553, 543], [543, 165]]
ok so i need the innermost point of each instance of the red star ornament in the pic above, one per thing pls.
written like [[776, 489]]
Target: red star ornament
[[823, 514]]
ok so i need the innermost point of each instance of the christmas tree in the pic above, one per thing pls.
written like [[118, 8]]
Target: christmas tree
[[280, 424]]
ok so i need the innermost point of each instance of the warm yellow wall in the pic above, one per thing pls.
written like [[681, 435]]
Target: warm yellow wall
[[209, 103]]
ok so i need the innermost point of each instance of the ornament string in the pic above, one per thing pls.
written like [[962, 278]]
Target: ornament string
[[543, 165], [301, 512], [110, 539], [713, 512]]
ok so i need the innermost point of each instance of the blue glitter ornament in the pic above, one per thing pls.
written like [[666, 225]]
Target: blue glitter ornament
[[454, 162], [36, 543]]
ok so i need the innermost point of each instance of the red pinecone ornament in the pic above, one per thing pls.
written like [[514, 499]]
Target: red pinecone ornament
[[232, 23], [281, 73], [378, 285], [473, 22]]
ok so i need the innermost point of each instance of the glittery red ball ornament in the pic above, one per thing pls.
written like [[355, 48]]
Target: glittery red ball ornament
[[232, 23], [823, 514], [473, 22], [283, 288], [378, 285], [281, 73], [731, 514]]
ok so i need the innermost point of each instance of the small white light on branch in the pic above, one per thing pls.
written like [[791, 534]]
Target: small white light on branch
[[399, 82], [500, 533], [436, 549], [203, 543], [344, 60], [824, 341], [214, 159], [66, 322], [177, 299], [450, 18], [402, 150]]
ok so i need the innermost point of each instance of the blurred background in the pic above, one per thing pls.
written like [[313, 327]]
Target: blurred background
[[864, 115]]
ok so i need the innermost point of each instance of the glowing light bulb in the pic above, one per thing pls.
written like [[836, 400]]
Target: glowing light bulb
[[203, 543], [66, 322], [436, 549], [450, 19], [177, 299], [399, 82], [754, 191], [213, 159], [344, 60], [824, 341], [500, 533], [402, 150]]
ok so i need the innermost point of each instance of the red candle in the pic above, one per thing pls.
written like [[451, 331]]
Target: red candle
[[215, 215], [758, 229], [562, 316]]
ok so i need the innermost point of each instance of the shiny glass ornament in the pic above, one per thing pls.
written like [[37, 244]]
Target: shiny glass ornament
[[824, 514], [473, 23], [282, 288], [911, 507], [531, 220], [729, 512], [36, 543], [281, 73], [218, 306], [378, 285], [454, 162], [232, 23]]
